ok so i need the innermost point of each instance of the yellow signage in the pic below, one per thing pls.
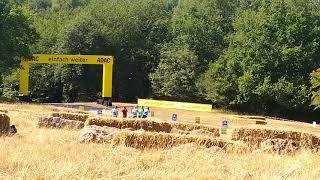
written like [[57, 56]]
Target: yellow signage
[[175, 105], [106, 61], [69, 59]]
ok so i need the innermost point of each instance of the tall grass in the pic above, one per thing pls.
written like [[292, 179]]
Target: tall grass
[[56, 154]]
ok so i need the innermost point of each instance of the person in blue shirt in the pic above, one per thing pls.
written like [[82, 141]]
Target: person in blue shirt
[[146, 112]]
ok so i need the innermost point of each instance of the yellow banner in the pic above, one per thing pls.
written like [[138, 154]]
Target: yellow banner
[[106, 61], [69, 59], [175, 105]]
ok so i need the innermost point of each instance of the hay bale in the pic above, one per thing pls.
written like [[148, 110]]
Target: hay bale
[[309, 141], [178, 131], [72, 116], [4, 124], [97, 134], [191, 127], [134, 124], [254, 137], [148, 140], [280, 146], [153, 126], [252, 117], [202, 132], [57, 122], [261, 122]]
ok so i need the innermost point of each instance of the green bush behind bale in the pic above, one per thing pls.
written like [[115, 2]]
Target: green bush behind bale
[[4, 124], [71, 116], [56, 122], [254, 137], [135, 124], [152, 140]]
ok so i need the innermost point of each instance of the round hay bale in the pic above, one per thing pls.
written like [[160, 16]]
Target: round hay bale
[[4, 124]]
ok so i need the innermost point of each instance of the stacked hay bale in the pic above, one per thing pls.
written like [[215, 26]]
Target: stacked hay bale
[[57, 122], [154, 126], [72, 116], [280, 146], [255, 137], [149, 140], [197, 129], [97, 134], [195, 132], [134, 124], [4, 124]]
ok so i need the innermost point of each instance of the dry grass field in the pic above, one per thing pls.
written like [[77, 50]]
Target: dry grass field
[[41, 153]]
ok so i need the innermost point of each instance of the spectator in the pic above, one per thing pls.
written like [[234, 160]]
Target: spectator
[[140, 112], [124, 112], [114, 112], [145, 113], [134, 112]]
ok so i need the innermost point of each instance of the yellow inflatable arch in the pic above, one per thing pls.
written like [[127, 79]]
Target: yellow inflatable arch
[[106, 61]]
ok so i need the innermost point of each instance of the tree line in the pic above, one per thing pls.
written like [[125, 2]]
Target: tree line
[[255, 56]]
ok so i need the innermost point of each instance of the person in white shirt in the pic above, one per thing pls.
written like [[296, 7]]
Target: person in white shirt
[[114, 112], [134, 112]]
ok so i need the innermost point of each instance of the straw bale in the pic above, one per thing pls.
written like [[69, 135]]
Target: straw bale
[[310, 141], [252, 117], [191, 127], [97, 134], [64, 110], [178, 131], [4, 124], [135, 124], [72, 116], [203, 132], [154, 126], [261, 122], [149, 140], [280, 146], [56, 122], [254, 137]]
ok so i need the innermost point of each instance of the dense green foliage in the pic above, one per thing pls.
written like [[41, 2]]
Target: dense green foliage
[[315, 81], [16, 35], [267, 64], [248, 55]]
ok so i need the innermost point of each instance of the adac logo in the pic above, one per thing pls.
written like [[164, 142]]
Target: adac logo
[[103, 60], [33, 59]]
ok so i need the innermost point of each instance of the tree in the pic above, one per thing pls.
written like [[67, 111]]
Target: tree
[[17, 34], [203, 26], [315, 81], [267, 64], [175, 76]]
